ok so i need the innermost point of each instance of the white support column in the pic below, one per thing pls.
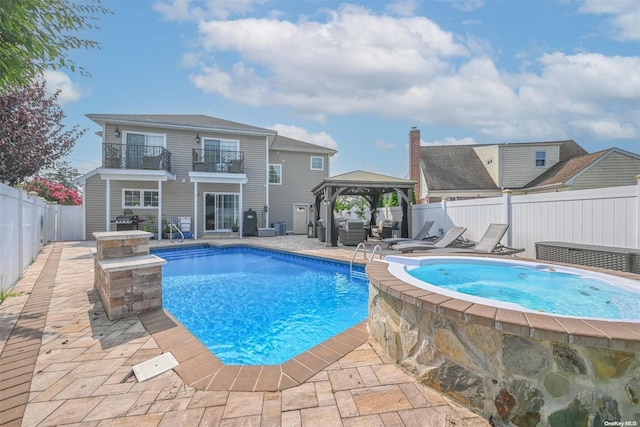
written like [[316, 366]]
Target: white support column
[[159, 210], [445, 221], [266, 184], [21, 265], [108, 206], [195, 210], [240, 201]]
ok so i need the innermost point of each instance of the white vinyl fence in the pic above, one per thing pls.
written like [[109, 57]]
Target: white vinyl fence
[[26, 224], [604, 216]]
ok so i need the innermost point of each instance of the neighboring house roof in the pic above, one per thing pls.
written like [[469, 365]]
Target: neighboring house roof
[[454, 167], [289, 144], [563, 171], [197, 121]]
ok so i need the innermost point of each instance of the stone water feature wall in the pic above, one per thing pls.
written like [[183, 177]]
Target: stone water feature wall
[[127, 278], [510, 373]]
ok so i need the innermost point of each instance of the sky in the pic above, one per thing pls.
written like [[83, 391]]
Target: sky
[[355, 76]]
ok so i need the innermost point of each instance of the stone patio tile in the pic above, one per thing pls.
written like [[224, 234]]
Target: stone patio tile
[[113, 389], [81, 387], [320, 376], [345, 379], [366, 421], [375, 400], [360, 358], [124, 350], [43, 380], [187, 418], [72, 411], [36, 412], [212, 416], [433, 397], [368, 376], [320, 417], [390, 374], [162, 406], [56, 388], [241, 404], [113, 407], [248, 421], [324, 393], [346, 405], [391, 419], [102, 367], [150, 420], [271, 410], [64, 366], [291, 419], [424, 417], [414, 395], [172, 387], [302, 396], [202, 399]]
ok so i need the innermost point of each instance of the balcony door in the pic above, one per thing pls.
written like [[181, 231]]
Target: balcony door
[[139, 145], [218, 153], [221, 211]]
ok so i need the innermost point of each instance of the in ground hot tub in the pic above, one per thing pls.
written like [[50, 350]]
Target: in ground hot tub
[[512, 362]]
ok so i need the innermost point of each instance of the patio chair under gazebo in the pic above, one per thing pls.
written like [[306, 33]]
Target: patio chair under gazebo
[[369, 185]]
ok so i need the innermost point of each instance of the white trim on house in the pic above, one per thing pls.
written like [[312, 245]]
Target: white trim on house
[[218, 177], [133, 175], [311, 158]]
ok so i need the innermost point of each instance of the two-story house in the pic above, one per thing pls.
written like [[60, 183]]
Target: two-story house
[[484, 170], [203, 168]]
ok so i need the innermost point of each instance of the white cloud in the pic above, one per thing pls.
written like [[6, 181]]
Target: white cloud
[[402, 7], [182, 10], [357, 62], [69, 91], [467, 5], [624, 16], [319, 138], [450, 141]]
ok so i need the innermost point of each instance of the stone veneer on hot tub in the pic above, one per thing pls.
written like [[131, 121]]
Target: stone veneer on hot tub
[[515, 368]]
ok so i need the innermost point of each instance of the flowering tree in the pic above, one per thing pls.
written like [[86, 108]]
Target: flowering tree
[[53, 192], [32, 136]]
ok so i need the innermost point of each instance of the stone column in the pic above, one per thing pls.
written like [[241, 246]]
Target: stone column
[[127, 278]]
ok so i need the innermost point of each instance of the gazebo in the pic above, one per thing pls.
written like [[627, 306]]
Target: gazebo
[[369, 185]]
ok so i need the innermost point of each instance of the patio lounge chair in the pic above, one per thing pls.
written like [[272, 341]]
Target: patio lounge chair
[[489, 244], [422, 235], [451, 237], [351, 233]]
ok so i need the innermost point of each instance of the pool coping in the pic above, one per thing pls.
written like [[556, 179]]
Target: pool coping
[[201, 369], [613, 335]]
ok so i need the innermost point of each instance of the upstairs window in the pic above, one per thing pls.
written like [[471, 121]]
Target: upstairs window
[[275, 174], [489, 162], [541, 158], [317, 163]]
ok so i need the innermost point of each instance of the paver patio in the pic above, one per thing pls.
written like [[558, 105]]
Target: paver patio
[[62, 362]]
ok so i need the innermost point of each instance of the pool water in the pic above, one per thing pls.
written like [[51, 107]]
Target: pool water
[[252, 306], [538, 289]]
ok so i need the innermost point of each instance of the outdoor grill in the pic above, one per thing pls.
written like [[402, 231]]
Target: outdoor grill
[[127, 222]]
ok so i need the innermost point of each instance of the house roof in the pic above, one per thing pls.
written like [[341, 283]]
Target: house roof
[[458, 167], [289, 144], [196, 121], [454, 167], [362, 182], [562, 171]]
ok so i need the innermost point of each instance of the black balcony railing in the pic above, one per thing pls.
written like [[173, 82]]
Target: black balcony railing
[[218, 161], [118, 156]]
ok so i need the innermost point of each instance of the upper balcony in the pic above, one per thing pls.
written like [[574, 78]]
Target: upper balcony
[[118, 156], [218, 161]]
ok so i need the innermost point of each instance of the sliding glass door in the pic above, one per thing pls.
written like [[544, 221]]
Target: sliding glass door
[[222, 210]]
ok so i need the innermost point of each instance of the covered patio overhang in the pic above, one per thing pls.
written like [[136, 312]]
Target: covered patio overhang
[[369, 185]]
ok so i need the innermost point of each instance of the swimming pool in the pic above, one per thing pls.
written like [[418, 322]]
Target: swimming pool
[[527, 286], [253, 306]]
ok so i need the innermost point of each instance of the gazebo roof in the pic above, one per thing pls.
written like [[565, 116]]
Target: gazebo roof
[[362, 183]]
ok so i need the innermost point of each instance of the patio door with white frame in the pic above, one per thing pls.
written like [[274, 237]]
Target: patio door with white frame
[[221, 211], [218, 152]]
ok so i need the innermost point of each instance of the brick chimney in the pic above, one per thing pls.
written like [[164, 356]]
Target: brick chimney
[[414, 159]]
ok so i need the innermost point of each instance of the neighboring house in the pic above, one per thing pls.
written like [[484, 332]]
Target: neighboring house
[[484, 170], [202, 167]]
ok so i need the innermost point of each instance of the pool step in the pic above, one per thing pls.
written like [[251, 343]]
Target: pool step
[[182, 254], [359, 275]]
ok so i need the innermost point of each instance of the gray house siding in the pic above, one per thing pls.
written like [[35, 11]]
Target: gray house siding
[[297, 180], [518, 163]]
